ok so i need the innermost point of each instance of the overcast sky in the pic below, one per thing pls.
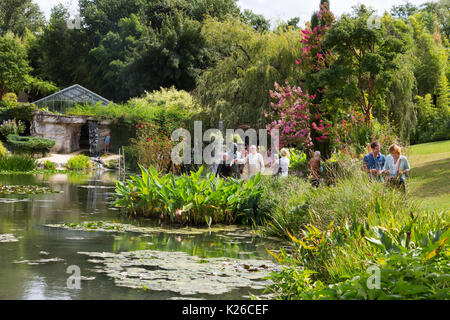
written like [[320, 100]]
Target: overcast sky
[[277, 9]]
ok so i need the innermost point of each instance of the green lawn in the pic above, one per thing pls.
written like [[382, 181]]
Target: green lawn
[[429, 180]]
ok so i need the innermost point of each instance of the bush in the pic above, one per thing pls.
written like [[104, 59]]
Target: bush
[[112, 164], [32, 145], [17, 163], [190, 199], [2, 150], [12, 127], [79, 162], [49, 165], [153, 146], [9, 97], [297, 160], [22, 111], [433, 123]]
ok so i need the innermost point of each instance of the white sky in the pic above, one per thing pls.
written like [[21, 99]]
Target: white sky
[[276, 9]]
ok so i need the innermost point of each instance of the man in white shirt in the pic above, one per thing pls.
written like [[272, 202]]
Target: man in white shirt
[[254, 161]]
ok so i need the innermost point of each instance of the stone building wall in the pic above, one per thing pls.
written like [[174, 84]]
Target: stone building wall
[[65, 130]]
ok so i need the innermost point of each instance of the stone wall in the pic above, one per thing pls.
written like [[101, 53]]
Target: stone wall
[[65, 130]]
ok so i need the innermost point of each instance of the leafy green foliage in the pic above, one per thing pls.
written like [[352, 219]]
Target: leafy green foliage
[[364, 58], [79, 162], [49, 165], [190, 199], [14, 66], [2, 150], [18, 16], [32, 145], [297, 160], [433, 123]]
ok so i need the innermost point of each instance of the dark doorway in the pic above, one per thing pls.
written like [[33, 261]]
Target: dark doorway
[[84, 136]]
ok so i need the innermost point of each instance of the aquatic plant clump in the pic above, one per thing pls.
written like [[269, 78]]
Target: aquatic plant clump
[[13, 189], [190, 199], [17, 163], [181, 273]]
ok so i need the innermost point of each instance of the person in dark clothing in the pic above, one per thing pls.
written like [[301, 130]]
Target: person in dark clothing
[[225, 170]]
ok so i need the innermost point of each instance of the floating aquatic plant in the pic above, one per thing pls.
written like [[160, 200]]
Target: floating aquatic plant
[[17, 189], [7, 237], [182, 273], [120, 227]]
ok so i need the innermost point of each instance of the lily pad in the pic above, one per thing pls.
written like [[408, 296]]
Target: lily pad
[[7, 237], [17, 189], [40, 261], [182, 273], [119, 227]]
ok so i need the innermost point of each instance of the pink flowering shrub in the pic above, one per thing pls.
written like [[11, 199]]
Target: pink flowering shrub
[[294, 115]]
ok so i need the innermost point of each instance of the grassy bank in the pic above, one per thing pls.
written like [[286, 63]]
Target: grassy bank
[[430, 175]]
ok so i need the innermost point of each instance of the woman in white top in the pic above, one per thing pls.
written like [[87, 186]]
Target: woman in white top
[[254, 162], [396, 166], [282, 165]]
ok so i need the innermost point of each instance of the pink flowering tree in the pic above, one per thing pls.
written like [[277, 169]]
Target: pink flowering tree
[[314, 56], [293, 115]]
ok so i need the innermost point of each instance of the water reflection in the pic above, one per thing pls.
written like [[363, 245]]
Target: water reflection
[[87, 198]]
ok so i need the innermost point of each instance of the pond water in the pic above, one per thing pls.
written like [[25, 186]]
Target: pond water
[[34, 257]]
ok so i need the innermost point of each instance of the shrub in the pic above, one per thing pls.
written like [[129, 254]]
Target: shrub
[[79, 162], [22, 111], [12, 127], [153, 146], [49, 165], [9, 97], [112, 164], [32, 145], [2, 150], [17, 163], [297, 160], [433, 123]]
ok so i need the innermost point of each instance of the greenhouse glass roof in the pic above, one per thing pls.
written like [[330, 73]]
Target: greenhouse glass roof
[[68, 96]]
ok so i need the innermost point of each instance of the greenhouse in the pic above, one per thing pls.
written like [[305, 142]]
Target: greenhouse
[[60, 101]]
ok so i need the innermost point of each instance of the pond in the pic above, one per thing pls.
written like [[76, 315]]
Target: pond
[[119, 258]]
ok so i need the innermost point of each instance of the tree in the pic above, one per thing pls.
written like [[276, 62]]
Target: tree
[[403, 10], [19, 15], [246, 65], [257, 21], [361, 72], [431, 57], [443, 94], [14, 67], [60, 54]]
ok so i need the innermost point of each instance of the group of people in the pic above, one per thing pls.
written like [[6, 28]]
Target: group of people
[[250, 163], [392, 169]]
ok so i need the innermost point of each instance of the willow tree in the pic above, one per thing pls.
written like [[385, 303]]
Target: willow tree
[[247, 63]]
